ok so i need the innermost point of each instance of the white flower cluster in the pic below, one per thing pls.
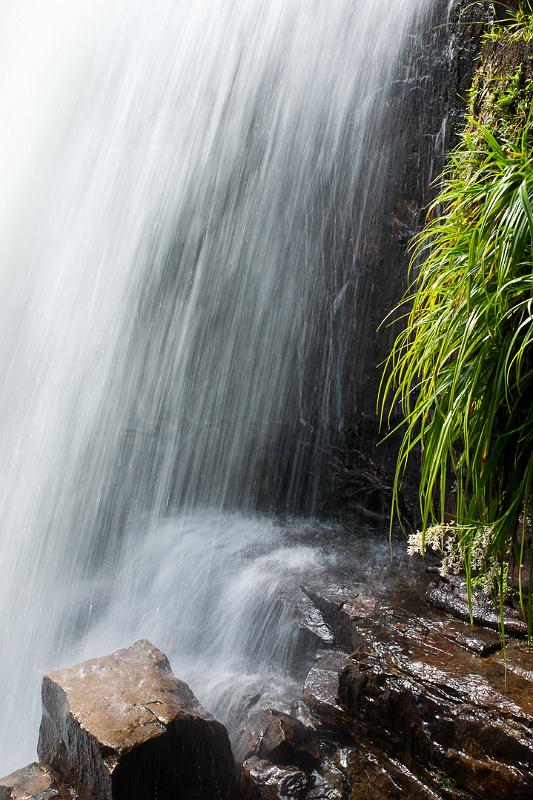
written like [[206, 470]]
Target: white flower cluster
[[449, 541], [452, 556], [480, 546], [492, 570], [434, 537]]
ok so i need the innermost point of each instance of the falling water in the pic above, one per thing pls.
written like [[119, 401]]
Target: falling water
[[175, 176]]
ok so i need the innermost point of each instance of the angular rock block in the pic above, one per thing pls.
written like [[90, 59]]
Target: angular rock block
[[450, 595], [322, 687], [427, 715], [262, 780], [123, 727], [34, 782], [280, 738]]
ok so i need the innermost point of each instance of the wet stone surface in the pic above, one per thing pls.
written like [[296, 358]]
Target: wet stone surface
[[450, 596], [321, 689], [309, 618], [280, 737], [34, 782], [123, 727], [410, 702], [263, 780]]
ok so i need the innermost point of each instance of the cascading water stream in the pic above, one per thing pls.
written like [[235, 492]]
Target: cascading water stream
[[175, 178]]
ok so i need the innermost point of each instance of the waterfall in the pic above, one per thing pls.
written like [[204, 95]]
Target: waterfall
[[187, 188]]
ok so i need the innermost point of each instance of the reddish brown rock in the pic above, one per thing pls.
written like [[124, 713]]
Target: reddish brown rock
[[279, 737], [321, 689], [481, 642], [123, 727], [450, 595], [371, 773], [34, 782], [262, 780], [329, 784], [423, 714], [518, 659], [426, 706]]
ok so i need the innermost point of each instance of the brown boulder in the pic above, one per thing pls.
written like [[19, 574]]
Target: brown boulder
[[34, 782], [262, 780], [123, 727], [280, 738], [322, 686]]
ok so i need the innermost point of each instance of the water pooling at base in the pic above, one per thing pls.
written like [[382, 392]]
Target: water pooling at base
[[174, 175]]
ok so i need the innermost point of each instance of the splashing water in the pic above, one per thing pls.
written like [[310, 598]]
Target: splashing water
[[174, 175]]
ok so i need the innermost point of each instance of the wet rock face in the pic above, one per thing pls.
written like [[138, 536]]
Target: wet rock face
[[483, 743], [34, 782], [412, 702], [321, 689], [427, 704], [280, 738], [263, 780], [123, 727], [450, 595]]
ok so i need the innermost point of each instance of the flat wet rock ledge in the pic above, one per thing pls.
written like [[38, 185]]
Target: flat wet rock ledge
[[407, 702], [123, 727], [401, 701]]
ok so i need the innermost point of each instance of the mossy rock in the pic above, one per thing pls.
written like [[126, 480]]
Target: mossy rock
[[502, 92]]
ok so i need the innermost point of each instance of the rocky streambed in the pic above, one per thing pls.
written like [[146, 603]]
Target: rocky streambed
[[402, 699], [397, 698]]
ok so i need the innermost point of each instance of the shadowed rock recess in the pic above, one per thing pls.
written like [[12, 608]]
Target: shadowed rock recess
[[124, 727]]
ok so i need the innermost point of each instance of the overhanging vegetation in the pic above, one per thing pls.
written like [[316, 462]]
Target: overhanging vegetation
[[462, 368]]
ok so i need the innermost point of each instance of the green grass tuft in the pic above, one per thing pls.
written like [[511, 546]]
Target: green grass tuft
[[462, 369]]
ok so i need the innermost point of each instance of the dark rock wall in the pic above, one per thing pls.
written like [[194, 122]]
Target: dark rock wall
[[431, 103], [425, 108]]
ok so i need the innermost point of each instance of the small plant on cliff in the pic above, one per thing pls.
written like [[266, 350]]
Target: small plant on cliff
[[514, 21], [462, 369]]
